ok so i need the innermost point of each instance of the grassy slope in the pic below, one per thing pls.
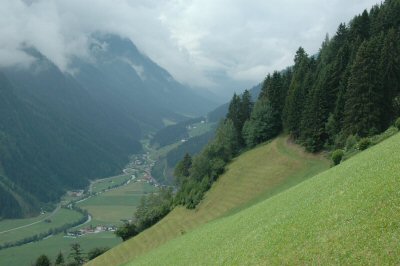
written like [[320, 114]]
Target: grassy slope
[[112, 206], [347, 215], [255, 175]]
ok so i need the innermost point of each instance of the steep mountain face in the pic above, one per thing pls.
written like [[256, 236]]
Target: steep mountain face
[[136, 84], [58, 130]]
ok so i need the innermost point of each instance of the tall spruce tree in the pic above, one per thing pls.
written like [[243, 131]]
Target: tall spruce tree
[[297, 93], [390, 74], [364, 98]]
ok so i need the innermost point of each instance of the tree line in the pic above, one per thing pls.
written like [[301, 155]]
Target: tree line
[[349, 90], [340, 98]]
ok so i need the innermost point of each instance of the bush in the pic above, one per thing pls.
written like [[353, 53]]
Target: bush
[[364, 143], [391, 131], [397, 123], [337, 156], [351, 142], [94, 253]]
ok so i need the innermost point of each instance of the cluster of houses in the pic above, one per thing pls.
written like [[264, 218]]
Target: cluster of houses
[[91, 230]]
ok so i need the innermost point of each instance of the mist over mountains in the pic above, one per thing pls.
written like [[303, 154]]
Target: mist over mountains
[[60, 129]]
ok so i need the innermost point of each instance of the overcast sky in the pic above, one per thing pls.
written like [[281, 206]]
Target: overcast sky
[[222, 45]]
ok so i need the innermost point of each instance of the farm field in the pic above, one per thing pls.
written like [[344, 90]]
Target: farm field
[[105, 208], [198, 129], [61, 217], [26, 254], [252, 177], [112, 206], [107, 183], [348, 215]]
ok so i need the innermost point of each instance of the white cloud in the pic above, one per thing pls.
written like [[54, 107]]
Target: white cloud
[[203, 43]]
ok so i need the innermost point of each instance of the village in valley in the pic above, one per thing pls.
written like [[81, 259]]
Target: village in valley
[[137, 170]]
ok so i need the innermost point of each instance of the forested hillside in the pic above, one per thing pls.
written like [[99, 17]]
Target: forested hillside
[[59, 129], [346, 93]]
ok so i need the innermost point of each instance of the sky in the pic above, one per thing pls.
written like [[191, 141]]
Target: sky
[[216, 45]]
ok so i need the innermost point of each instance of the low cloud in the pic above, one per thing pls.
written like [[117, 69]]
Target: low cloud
[[204, 43]]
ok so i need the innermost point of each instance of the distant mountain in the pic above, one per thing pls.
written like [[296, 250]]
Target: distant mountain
[[58, 130], [121, 75]]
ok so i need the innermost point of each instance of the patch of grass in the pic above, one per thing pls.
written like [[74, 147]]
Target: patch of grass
[[63, 216], [198, 129], [254, 176], [27, 254], [104, 184], [112, 206], [106, 209], [348, 215]]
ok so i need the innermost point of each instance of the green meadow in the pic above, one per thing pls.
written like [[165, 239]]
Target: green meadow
[[348, 215], [252, 177], [117, 204], [60, 218], [107, 208]]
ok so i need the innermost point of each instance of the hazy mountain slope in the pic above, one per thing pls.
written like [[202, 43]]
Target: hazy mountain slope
[[58, 129], [120, 73], [347, 215]]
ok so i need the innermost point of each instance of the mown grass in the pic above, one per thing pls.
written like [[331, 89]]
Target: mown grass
[[255, 175], [112, 206], [348, 215]]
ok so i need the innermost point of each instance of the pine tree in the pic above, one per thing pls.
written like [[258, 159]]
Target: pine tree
[[59, 260], [77, 254], [43, 260], [246, 105], [235, 107], [390, 74], [297, 93], [276, 92], [363, 107], [181, 171]]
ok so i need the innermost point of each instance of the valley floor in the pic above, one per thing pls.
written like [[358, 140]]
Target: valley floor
[[108, 201]]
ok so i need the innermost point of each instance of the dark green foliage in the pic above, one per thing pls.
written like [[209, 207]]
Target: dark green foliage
[[397, 123], [363, 144], [96, 252], [76, 254], [39, 140], [43, 260], [9, 206], [264, 124], [239, 111], [152, 208], [364, 99], [390, 75], [351, 142], [350, 89], [297, 93], [126, 231], [337, 156], [182, 168], [60, 261], [208, 165]]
